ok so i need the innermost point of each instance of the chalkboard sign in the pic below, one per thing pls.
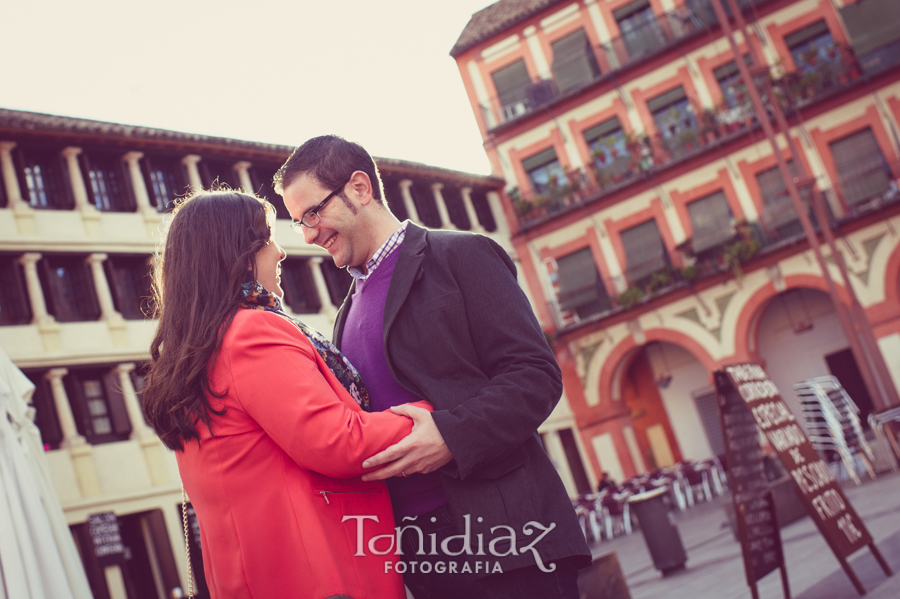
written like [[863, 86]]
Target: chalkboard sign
[[753, 506], [106, 538], [816, 486]]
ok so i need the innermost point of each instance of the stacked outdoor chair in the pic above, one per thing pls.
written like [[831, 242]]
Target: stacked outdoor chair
[[832, 423], [877, 422]]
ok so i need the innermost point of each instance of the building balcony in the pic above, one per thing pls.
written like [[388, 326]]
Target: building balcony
[[726, 250], [572, 73]]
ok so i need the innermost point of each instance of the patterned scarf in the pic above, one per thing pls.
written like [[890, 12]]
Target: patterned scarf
[[256, 297]]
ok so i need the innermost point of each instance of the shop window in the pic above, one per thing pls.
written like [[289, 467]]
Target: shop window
[[216, 173], [645, 253], [579, 287], [129, 280], [512, 84], [863, 174], [675, 120], [108, 182], [711, 221], [261, 176], [574, 62], [14, 306], [166, 180], [299, 287], [43, 178], [69, 288], [544, 171], [98, 405], [610, 154], [640, 29], [811, 48]]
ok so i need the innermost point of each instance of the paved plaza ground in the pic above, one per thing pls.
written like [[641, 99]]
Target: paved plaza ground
[[715, 567]]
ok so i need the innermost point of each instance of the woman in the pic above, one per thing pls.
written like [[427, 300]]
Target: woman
[[269, 441]]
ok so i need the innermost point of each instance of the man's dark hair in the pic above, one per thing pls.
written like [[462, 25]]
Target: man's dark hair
[[331, 160]]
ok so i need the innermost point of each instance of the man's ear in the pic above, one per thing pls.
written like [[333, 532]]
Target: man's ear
[[361, 187]]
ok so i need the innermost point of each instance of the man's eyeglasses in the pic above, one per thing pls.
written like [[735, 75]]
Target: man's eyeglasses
[[311, 217]]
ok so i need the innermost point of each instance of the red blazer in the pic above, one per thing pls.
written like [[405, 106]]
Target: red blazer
[[272, 485]]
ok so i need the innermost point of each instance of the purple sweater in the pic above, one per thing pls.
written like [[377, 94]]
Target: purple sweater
[[362, 341]]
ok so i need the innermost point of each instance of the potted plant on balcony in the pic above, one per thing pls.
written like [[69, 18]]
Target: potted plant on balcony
[[599, 154], [659, 280], [808, 83], [811, 56], [738, 253], [689, 273], [687, 139], [630, 297]]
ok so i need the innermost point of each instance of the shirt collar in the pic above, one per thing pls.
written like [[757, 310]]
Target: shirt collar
[[380, 254]]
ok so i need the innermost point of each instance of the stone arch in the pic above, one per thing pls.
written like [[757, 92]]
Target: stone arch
[[746, 346], [617, 361]]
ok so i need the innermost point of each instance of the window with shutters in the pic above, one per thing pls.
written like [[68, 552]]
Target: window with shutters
[[512, 84], [711, 221], [863, 174], [166, 180], [779, 217], [215, 173], [580, 291], [612, 160], [645, 252], [68, 288], [874, 35], [544, 171], [261, 176], [129, 280], [14, 305], [640, 29], [43, 178], [675, 120], [574, 62], [98, 405], [45, 416], [299, 288], [107, 180], [814, 52], [734, 92]]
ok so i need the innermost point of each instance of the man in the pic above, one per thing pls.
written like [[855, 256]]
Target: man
[[439, 315]]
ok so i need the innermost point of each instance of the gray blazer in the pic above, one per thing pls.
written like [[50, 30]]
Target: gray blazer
[[460, 333]]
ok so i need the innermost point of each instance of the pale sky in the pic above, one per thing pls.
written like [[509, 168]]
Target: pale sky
[[375, 72]]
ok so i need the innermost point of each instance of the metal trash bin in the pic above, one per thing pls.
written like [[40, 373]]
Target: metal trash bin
[[659, 530]]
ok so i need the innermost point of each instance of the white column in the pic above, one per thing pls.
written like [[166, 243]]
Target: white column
[[474, 224], [242, 169], [141, 196], [139, 428], [71, 438], [104, 296], [408, 201], [35, 292], [79, 190], [328, 307], [481, 94], [609, 256], [499, 216], [446, 223], [534, 44], [190, 161], [13, 193]]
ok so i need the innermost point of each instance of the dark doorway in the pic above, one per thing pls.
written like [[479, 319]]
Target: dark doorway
[[842, 365], [576, 466]]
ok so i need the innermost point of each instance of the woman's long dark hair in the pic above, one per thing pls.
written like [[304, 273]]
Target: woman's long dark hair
[[212, 240]]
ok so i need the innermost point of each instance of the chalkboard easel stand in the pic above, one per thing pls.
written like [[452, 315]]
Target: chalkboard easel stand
[[851, 574], [751, 575]]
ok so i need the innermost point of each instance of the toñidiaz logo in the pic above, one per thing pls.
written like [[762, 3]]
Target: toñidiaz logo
[[503, 542]]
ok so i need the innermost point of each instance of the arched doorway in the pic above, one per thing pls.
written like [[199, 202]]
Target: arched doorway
[[672, 405], [800, 337]]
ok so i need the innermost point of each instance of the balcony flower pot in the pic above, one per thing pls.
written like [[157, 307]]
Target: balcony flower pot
[[630, 297], [614, 152]]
